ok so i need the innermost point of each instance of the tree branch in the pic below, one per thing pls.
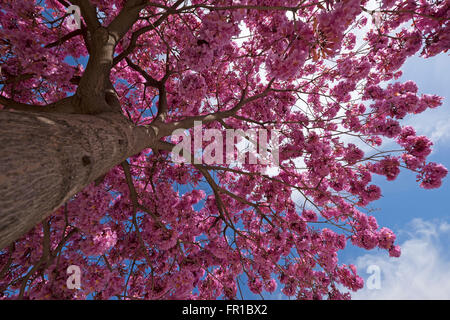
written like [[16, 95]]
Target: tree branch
[[126, 18], [149, 79], [62, 106], [89, 13], [17, 79], [135, 204], [158, 84], [135, 36], [68, 36]]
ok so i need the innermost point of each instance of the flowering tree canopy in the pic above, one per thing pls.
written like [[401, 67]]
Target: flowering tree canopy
[[87, 177]]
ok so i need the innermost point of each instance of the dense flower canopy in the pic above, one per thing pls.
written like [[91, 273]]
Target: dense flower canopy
[[321, 72]]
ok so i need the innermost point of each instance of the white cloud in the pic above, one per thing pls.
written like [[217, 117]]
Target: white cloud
[[434, 123], [423, 270]]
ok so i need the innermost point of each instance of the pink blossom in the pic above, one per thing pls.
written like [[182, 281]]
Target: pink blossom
[[432, 175]]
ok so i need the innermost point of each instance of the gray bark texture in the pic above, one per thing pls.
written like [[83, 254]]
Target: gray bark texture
[[50, 152], [45, 159]]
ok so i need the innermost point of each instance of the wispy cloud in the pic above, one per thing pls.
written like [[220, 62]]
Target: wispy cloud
[[433, 123], [423, 270]]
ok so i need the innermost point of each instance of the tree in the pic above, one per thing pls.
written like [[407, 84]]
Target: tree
[[87, 176]]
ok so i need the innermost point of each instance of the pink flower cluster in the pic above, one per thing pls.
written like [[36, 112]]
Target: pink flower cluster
[[103, 241], [210, 44], [389, 167], [431, 175], [193, 86], [368, 237], [333, 23]]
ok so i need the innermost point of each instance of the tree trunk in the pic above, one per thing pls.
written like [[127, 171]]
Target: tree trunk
[[45, 159]]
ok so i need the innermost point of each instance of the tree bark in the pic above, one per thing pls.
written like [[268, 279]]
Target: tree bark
[[49, 153], [45, 159]]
